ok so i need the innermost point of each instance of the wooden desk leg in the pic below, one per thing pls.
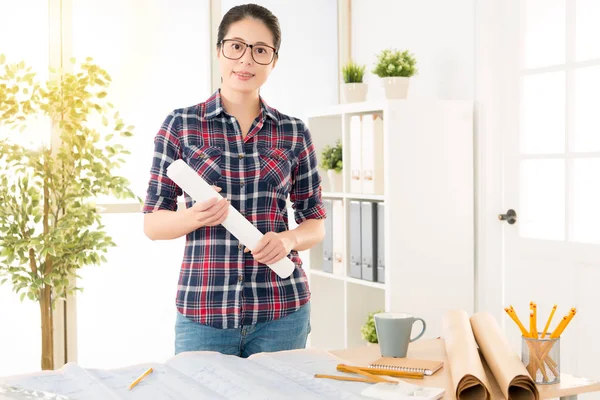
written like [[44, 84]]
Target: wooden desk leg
[[573, 397]]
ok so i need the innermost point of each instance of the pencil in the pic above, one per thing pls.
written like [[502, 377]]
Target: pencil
[[138, 380], [567, 319], [357, 370], [513, 315], [549, 321], [381, 371], [532, 326], [534, 333], [559, 328], [347, 378]]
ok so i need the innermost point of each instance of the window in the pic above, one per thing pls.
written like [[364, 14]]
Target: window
[[157, 56], [560, 145], [127, 308]]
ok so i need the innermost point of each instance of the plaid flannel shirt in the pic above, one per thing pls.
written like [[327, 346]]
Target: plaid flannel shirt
[[219, 284]]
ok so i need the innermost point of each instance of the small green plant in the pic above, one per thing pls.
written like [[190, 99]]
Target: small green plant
[[369, 333], [331, 157], [391, 62], [353, 73]]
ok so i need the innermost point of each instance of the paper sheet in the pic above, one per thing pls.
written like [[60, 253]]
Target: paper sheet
[[71, 381], [402, 391], [468, 376], [163, 383], [204, 375], [18, 393], [299, 366], [505, 364], [191, 183]]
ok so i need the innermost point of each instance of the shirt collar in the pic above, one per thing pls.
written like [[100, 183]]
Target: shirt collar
[[214, 107]]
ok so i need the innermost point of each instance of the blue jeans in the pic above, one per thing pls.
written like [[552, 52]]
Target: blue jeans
[[287, 333]]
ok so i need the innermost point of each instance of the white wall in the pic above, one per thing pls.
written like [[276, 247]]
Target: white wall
[[440, 33]]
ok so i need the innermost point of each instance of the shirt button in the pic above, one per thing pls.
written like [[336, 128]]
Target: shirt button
[[241, 155], [241, 182], [240, 246], [240, 278]]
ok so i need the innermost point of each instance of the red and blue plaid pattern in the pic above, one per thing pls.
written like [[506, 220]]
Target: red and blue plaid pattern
[[219, 284]]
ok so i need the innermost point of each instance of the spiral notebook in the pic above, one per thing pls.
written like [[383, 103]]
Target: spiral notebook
[[427, 367]]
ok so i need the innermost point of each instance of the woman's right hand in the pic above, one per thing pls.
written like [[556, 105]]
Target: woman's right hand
[[211, 212]]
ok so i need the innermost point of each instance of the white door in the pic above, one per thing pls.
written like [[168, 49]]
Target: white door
[[547, 100]]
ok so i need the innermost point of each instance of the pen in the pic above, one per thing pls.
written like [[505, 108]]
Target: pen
[[138, 380]]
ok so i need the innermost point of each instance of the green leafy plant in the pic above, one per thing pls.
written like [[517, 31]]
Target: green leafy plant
[[49, 224], [353, 73], [331, 157], [368, 331], [391, 62]]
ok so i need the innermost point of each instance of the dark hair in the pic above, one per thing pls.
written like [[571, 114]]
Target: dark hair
[[255, 11]]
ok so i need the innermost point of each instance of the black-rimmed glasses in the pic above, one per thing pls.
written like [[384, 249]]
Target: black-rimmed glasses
[[235, 49]]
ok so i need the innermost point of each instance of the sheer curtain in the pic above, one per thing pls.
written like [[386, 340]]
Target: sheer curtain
[[158, 57], [23, 37]]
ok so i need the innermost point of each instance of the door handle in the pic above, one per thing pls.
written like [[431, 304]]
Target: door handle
[[510, 216]]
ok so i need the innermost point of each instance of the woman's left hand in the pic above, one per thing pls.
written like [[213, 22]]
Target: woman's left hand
[[273, 247]]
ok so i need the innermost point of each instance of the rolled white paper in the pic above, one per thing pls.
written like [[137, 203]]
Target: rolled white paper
[[193, 184]]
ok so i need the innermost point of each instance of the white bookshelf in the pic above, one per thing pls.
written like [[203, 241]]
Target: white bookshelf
[[429, 226]]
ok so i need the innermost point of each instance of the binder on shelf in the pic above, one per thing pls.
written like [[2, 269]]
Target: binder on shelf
[[371, 154], [380, 244], [338, 237], [368, 220], [355, 240], [328, 240], [355, 154]]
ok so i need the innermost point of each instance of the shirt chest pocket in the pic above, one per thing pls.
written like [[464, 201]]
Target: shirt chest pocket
[[206, 161], [276, 166]]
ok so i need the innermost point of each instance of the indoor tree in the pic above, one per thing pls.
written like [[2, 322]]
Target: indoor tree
[[49, 224]]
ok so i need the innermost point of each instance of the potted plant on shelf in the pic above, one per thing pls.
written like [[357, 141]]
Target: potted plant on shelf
[[395, 68], [49, 224], [353, 89], [368, 330], [331, 161]]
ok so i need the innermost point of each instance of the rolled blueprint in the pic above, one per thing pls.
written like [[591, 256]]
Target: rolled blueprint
[[193, 184]]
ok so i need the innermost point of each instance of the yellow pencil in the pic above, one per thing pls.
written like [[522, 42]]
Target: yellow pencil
[[534, 333], [549, 321], [138, 380], [568, 321], [513, 315], [559, 328], [348, 378]]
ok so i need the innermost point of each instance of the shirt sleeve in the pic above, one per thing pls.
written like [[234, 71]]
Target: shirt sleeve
[[162, 192], [306, 189]]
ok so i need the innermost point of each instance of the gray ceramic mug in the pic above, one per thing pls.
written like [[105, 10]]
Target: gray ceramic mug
[[393, 332]]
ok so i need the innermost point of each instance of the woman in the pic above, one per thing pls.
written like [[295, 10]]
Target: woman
[[228, 300]]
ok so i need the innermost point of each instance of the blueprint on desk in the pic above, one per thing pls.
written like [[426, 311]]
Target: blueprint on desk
[[202, 375]]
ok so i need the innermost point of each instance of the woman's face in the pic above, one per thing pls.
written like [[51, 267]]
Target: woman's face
[[246, 74]]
